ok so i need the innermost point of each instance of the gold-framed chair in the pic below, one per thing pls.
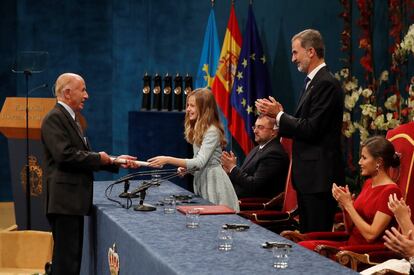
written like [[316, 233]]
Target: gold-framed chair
[[24, 251]]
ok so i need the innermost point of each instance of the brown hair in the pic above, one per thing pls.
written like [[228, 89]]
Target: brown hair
[[311, 39], [380, 147], [207, 116]]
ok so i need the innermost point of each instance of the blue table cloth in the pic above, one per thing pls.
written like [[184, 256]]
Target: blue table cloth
[[158, 243]]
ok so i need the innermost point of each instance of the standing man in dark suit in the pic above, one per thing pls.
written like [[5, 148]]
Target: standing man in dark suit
[[69, 165], [316, 132], [263, 173]]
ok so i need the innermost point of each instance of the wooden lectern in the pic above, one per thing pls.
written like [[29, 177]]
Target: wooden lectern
[[13, 126]]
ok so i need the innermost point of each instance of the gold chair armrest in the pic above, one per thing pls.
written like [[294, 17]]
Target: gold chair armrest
[[293, 236], [10, 228], [275, 202], [326, 250], [352, 259]]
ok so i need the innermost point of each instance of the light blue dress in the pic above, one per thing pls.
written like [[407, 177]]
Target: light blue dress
[[210, 180]]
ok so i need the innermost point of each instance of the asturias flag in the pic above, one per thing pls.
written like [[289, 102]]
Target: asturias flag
[[251, 82], [223, 81], [209, 55]]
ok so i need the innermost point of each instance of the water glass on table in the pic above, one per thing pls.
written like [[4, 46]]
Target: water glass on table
[[169, 205], [225, 240], [192, 218], [281, 255]]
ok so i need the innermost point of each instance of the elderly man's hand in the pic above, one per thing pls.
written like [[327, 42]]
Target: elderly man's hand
[[130, 163]]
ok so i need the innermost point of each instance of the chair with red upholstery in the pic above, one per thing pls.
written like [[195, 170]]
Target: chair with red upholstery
[[361, 256], [402, 137], [272, 217]]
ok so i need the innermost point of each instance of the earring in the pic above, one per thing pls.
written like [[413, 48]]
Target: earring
[[377, 167]]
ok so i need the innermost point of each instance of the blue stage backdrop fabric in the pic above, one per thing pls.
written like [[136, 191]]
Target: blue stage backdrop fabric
[[113, 43]]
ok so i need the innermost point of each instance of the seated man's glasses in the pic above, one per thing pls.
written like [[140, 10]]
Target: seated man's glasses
[[260, 127]]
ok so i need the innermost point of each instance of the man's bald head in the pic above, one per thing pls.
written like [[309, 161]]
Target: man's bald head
[[70, 88], [65, 81]]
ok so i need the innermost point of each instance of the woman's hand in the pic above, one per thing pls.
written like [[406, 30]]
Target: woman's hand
[[181, 171], [158, 162], [397, 242], [130, 163], [342, 195], [398, 207]]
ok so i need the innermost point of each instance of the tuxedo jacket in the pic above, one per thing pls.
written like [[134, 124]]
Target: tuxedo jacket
[[315, 129], [263, 173], [68, 165]]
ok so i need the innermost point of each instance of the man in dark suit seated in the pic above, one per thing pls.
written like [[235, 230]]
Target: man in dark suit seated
[[264, 170], [69, 164]]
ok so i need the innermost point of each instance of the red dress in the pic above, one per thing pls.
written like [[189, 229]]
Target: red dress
[[370, 200]]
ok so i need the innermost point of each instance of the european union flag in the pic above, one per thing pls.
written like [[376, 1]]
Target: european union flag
[[251, 82], [209, 55]]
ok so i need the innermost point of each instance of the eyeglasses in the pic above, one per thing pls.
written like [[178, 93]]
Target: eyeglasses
[[260, 127]]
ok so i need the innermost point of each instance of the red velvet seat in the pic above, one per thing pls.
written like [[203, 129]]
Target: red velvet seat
[[360, 256], [279, 218]]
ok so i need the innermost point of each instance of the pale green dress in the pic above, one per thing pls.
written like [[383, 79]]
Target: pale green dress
[[210, 180]]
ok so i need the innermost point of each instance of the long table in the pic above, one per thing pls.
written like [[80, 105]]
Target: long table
[[158, 243]]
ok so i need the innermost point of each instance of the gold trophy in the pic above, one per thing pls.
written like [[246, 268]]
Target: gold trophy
[[167, 97], [178, 92], [156, 103]]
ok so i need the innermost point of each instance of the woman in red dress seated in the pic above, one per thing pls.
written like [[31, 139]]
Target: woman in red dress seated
[[368, 217]]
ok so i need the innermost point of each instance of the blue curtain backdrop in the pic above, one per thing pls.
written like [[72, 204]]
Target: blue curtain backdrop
[[113, 43]]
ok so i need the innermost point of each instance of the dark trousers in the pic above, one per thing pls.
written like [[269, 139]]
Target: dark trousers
[[67, 233], [316, 211]]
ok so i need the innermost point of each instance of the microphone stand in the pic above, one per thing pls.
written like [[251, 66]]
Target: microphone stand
[[27, 73], [143, 206], [126, 193], [28, 63], [145, 185]]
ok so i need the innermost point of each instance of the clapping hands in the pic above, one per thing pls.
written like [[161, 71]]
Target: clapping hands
[[342, 195], [269, 107]]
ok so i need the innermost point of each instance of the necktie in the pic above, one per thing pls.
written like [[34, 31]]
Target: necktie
[[302, 95], [305, 82], [79, 126]]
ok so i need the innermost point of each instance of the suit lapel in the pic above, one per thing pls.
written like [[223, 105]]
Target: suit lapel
[[249, 157], [73, 124], [304, 96], [309, 89]]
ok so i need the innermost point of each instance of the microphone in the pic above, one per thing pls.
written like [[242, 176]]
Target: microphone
[[125, 179], [144, 173], [44, 85], [145, 185]]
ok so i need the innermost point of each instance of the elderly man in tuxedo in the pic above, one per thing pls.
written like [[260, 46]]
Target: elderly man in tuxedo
[[69, 165], [264, 170], [315, 129]]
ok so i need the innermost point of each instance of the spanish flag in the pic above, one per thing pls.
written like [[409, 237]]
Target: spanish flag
[[227, 65]]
